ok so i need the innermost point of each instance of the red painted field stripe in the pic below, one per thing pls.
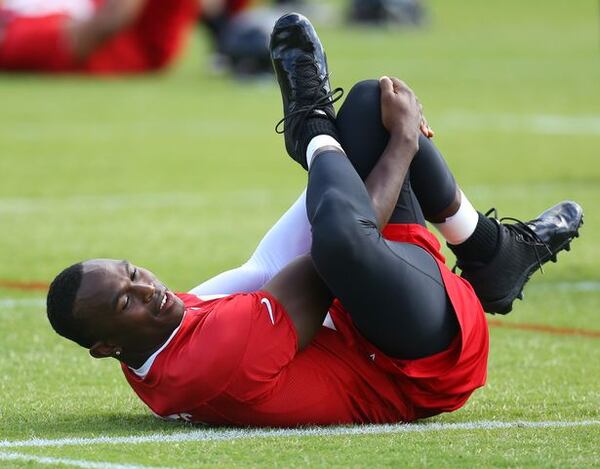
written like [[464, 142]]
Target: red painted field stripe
[[544, 328], [25, 286], [41, 286]]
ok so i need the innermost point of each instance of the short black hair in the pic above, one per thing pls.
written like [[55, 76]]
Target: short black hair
[[60, 305]]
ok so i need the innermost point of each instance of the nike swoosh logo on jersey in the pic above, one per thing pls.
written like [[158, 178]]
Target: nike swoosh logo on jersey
[[267, 303]]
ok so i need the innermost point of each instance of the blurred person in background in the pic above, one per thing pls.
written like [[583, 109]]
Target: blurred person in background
[[241, 42], [103, 36], [383, 12]]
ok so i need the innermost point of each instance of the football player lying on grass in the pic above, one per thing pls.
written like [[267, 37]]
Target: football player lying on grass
[[346, 311]]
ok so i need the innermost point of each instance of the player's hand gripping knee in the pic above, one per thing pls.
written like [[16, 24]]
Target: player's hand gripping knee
[[401, 112]]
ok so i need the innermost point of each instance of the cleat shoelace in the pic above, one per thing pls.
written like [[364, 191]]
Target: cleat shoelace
[[524, 233], [308, 94]]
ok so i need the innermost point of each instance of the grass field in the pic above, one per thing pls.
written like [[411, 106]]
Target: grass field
[[182, 173]]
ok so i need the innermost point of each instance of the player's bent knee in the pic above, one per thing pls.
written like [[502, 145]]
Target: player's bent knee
[[359, 122], [368, 89]]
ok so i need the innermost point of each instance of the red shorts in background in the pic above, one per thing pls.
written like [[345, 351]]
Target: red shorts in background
[[39, 43], [35, 43]]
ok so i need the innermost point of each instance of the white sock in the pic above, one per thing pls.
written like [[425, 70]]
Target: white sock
[[318, 142], [460, 226]]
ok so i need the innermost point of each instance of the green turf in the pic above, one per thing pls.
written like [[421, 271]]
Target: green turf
[[182, 172]]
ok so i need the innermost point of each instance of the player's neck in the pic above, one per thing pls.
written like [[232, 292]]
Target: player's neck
[[135, 360]]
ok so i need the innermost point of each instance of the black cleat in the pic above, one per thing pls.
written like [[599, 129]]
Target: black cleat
[[522, 249], [301, 68]]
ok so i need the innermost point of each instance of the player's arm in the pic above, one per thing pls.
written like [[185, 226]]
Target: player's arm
[[304, 296], [289, 238], [110, 18], [402, 116]]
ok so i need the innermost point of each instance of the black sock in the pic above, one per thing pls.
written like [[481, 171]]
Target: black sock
[[315, 125], [481, 245]]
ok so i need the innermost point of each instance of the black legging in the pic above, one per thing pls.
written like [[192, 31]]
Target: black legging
[[364, 138], [392, 290]]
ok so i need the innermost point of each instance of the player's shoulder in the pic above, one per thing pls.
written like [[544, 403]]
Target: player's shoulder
[[206, 350], [191, 300], [219, 320], [224, 328], [241, 302]]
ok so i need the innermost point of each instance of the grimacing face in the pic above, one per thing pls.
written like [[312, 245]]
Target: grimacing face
[[130, 311]]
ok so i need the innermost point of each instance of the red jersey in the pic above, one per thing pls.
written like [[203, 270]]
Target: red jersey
[[234, 361]]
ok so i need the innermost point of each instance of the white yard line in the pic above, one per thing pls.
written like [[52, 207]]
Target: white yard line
[[545, 124], [230, 434], [250, 197], [67, 462], [11, 303], [460, 119], [152, 200]]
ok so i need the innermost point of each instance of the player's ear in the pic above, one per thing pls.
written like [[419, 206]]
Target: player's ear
[[104, 350]]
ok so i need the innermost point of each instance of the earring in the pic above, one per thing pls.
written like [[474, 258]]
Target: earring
[[117, 353]]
